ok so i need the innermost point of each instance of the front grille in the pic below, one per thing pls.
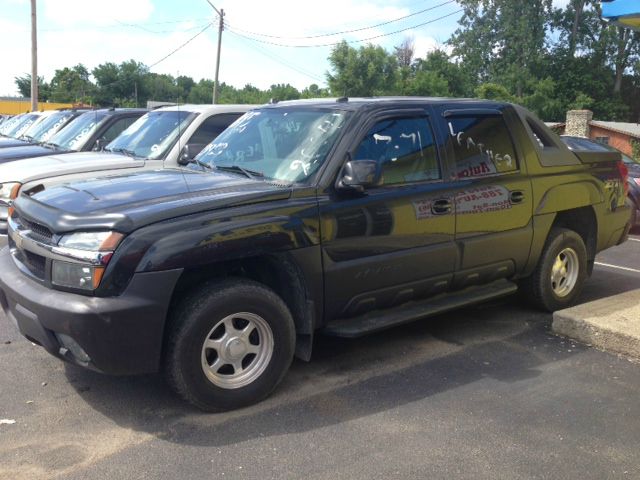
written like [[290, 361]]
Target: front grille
[[40, 233], [35, 264]]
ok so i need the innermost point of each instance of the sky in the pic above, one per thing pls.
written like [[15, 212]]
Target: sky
[[92, 32]]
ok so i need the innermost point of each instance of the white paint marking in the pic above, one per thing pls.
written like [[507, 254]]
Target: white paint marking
[[634, 239], [616, 266]]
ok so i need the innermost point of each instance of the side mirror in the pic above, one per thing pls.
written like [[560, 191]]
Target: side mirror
[[359, 174], [189, 152], [99, 145]]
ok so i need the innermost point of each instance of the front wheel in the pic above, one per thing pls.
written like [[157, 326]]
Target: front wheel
[[229, 345], [561, 271]]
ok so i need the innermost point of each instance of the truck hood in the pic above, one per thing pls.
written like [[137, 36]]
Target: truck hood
[[31, 169], [8, 142], [127, 202], [26, 151]]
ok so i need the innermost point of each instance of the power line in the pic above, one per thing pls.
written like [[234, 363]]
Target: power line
[[181, 46], [352, 41], [128, 24], [344, 31], [278, 59], [159, 32]]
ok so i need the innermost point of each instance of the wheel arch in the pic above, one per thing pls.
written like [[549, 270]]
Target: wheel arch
[[582, 220], [279, 271]]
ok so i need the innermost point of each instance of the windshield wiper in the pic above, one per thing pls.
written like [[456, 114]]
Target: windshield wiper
[[54, 146], [128, 153], [252, 174]]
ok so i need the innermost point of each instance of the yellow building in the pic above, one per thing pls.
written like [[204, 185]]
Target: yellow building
[[13, 107]]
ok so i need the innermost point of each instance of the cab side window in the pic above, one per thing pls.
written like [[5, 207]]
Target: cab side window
[[481, 145], [212, 127], [116, 128], [404, 148]]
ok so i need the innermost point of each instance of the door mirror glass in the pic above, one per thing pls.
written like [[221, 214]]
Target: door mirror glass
[[99, 145], [359, 174], [189, 152]]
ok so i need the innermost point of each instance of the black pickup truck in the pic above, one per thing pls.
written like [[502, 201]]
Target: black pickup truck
[[340, 217]]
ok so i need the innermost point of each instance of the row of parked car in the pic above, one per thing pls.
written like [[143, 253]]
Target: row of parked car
[[213, 242], [113, 139]]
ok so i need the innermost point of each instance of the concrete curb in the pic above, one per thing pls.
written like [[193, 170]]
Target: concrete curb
[[611, 324]]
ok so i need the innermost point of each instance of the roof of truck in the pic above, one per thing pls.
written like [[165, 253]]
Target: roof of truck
[[356, 103], [219, 108]]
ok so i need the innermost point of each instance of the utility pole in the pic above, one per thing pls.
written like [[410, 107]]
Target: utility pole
[[220, 29], [34, 58]]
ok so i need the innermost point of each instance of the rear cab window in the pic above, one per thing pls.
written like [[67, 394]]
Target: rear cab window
[[480, 144]]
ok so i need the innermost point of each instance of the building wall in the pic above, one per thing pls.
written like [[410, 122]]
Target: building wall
[[13, 107], [617, 140]]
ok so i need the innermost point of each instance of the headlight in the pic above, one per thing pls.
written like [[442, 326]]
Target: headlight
[[76, 275], [88, 254], [91, 241], [8, 191]]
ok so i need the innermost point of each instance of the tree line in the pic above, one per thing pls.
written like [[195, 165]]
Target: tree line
[[547, 59]]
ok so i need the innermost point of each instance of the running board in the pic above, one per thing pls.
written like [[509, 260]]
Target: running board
[[378, 320]]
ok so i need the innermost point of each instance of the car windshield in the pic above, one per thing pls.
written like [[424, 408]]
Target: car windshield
[[79, 130], [49, 126], [153, 134], [282, 144], [9, 124], [22, 125]]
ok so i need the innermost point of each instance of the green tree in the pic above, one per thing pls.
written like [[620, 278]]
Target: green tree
[[502, 40], [24, 87], [71, 85], [493, 91], [366, 71]]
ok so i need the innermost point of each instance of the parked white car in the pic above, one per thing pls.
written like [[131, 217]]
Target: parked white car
[[168, 136]]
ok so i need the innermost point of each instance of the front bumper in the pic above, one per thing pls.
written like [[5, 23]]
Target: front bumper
[[120, 335]]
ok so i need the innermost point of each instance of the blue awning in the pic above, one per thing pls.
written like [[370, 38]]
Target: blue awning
[[625, 13]]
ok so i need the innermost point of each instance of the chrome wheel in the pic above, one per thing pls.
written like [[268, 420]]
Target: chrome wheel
[[237, 350], [564, 272]]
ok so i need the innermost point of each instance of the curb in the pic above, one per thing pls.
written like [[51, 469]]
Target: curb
[[611, 324]]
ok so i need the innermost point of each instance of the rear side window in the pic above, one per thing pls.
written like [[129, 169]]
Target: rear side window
[[117, 127], [481, 145], [404, 148], [212, 127]]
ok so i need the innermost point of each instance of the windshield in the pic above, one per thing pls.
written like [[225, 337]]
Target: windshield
[[49, 126], [9, 124], [75, 135], [153, 134], [22, 125], [283, 144]]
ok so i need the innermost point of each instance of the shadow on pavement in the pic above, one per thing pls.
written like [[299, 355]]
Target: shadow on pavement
[[347, 379]]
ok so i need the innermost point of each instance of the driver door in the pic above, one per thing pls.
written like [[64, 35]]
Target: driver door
[[395, 242]]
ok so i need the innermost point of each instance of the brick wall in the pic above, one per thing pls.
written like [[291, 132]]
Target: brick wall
[[617, 140]]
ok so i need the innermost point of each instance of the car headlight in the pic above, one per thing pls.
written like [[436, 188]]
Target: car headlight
[[76, 275], [91, 241], [8, 193], [88, 254]]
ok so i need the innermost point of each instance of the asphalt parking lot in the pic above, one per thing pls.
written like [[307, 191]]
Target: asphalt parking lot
[[485, 392]]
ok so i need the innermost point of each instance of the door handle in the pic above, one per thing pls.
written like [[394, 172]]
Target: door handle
[[441, 207], [517, 196]]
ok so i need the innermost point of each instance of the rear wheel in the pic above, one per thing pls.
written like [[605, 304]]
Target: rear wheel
[[229, 345], [561, 271]]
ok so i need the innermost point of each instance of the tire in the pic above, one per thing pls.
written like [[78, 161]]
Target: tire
[[554, 289], [634, 212], [229, 344]]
